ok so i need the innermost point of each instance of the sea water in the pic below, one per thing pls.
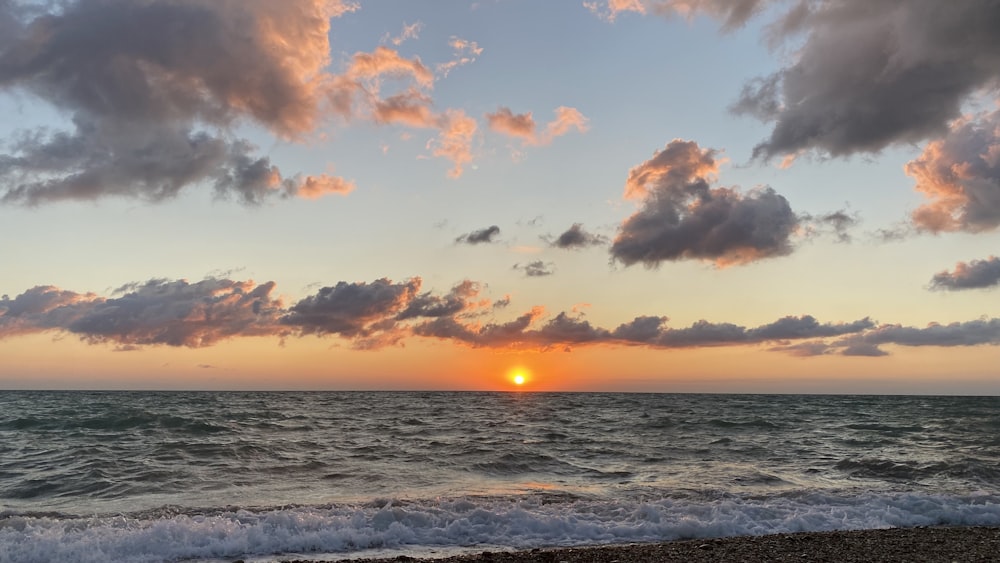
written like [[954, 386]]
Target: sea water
[[218, 476]]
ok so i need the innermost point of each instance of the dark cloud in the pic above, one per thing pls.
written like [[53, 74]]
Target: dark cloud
[[461, 298], [872, 74], [806, 326], [960, 174], [977, 274], [370, 315], [154, 89], [868, 341], [174, 313], [682, 217], [353, 309], [486, 235], [969, 333], [536, 269], [576, 237]]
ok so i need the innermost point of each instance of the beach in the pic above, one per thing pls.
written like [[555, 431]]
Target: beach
[[931, 544]]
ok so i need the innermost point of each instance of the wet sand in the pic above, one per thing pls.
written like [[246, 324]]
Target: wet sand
[[930, 544]]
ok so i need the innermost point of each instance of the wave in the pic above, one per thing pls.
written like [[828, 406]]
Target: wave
[[912, 471], [174, 534]]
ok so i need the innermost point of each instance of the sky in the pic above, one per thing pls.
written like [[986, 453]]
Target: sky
[[749, 196]]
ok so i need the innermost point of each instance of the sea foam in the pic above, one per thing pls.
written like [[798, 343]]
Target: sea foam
[[466, 522]]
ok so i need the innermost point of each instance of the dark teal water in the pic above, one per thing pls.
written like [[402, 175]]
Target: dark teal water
[[166, 476]]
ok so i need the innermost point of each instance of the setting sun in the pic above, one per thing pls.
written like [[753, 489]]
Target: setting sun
[[519, 376]]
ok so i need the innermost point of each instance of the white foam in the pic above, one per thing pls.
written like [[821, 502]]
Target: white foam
[[513, 522]]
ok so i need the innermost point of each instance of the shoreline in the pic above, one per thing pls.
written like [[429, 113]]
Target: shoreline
[[931, 544]]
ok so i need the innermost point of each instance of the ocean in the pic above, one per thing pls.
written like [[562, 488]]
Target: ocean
[[220, 476]]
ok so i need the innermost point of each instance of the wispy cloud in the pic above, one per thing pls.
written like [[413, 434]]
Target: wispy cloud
[[466, 52], [481, 236], [576, 237], [523, 126], [536, 268]]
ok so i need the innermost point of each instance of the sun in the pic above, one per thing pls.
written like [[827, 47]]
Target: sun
[[519, 376]]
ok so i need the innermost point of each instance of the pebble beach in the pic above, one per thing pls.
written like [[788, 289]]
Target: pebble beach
[[923, 544]]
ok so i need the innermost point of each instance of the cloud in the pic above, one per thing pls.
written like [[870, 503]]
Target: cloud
[[977, 274], [461, 300], [173, 313], [455, 141], [536, 269], [154, 89], [505, 121], [486, 235], [682, 217], [523, 126], [733, 13], [869, 74], [465, 53], [352, 309], [837, 223], [970, 333], [960, 174], [612, 8], [409, 31], [384, 61], [412, 107], [576, 237], [370, 315]]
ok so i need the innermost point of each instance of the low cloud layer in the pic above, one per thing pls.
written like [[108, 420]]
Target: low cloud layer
[[682, 217], [370, 315], [977, 274], [157, 312]]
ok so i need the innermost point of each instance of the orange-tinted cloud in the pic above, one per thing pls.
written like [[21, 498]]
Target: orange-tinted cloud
[[682, 217], [314, 187], [505, 121], [960, 175], [977, 274], [523, 126], [611, 8], [384, 61], [455, 141], [465, 53]]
